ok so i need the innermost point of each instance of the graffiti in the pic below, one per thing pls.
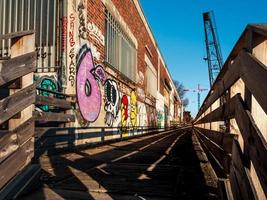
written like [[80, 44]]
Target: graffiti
[[140, 78], [160, 118], [82, 29], [72, 66], [141, 94], [95, 52], [96, 34], [112, 101], [99, 74], [64, 32], [87, 87], [71, 32], [124, 110], [48, 83], [151, 115], [133, 101]]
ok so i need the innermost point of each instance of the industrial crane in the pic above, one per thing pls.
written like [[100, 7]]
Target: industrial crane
[[213, 49], [198, 90]]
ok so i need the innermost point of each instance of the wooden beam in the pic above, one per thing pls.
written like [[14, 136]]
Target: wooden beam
[[224, 140], [52, 101], [16, 161], [16, 34], [243, 180], [15, 103], [11, 140], [254, 141], [254, 74], [17, 67], [226, 111], [53, 117], [222, 156]]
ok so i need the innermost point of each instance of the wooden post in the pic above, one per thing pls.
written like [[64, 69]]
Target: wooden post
[[21, 46]]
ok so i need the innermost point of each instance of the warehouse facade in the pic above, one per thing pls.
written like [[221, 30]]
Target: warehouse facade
[[101, 53]]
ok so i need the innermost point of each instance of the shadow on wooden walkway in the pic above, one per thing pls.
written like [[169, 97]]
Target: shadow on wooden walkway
[[163, 166]]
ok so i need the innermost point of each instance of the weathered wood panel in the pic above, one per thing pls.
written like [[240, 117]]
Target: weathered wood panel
[[222, 156], [11, 140], [17, 67], [15, 103], [16, 34], [243, 179], [15, 162], [255, 142], [51, 101], [53, 117], [224, 140]]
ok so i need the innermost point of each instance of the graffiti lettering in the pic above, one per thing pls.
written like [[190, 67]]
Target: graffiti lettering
[[72, 65], [124, 110], [133, 108], [99, 74], [64, 32], [82, 29], [71, 32], [96, 34]]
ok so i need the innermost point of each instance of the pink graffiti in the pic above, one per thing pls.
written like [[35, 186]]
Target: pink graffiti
[[88, 92], [99, 74]]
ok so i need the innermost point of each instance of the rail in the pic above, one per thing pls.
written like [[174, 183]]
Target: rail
[[231, 123]]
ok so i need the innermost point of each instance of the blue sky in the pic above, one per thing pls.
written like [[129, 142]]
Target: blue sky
[[178, 29]]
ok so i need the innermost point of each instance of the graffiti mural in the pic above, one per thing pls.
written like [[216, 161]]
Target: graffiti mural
[[133, 102], [124, 110], [87, 86], [48, 83], [72, 66], [96, 34], [112, 101], [160, 118], [82, 28]]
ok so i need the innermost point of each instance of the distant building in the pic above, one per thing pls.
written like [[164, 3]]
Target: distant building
[[187, 117], [103, 54]]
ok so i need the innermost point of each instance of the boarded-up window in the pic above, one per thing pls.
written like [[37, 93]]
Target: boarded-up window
[[120, 49]]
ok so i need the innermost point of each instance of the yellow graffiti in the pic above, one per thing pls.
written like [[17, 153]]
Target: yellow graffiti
[[133, 108]]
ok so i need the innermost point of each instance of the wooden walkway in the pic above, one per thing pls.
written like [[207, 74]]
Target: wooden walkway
[[162, 166]]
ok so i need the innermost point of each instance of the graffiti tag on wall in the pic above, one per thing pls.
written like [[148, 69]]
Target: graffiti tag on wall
[[87, 88], [133, 101], [112, 101], [82, 28], [72, 66], [96, 34], [124, 110]]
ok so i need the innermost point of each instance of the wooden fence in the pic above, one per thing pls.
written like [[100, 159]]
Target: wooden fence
[[237, 102], [17, 97]]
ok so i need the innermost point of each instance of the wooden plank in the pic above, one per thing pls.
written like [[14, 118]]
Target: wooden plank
[[52, 101], [254, 75], [222, 156], [226, 111], [255, 142], [55, 117], [17, 67], [244, 182], [224, 140], [11, 140], [16, 34], [14, 163], [15, 103]]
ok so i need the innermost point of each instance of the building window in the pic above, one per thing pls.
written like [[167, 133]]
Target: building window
[[151, 81], [120, 49], [38, 15]]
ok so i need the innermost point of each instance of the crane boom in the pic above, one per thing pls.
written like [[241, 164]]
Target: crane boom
[[213, 49]]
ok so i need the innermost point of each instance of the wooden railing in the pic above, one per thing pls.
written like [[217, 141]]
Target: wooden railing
[[17, 97], [238, 102]]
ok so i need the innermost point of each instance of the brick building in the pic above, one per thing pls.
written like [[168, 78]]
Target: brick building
[[102, 53]]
